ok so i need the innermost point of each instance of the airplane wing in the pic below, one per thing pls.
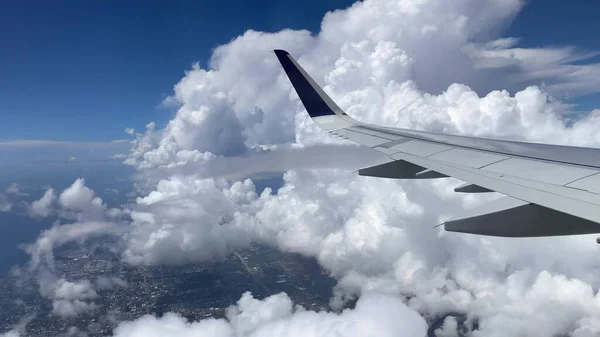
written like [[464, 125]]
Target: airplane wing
[[549, 189]]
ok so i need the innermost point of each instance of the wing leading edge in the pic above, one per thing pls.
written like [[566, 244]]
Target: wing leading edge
[[550, 189]]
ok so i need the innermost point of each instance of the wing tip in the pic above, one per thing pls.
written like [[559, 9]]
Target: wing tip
[[280, 52], [316, 102]]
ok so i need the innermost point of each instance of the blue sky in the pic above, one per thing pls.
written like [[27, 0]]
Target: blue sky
[[83, 71]]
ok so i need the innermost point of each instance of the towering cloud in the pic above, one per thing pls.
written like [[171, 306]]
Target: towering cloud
[[437, 65], [431, 65]]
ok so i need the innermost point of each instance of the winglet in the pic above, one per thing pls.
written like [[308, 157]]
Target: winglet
[[315, 100]]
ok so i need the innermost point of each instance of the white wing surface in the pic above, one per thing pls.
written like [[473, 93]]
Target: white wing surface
[[550, 189]]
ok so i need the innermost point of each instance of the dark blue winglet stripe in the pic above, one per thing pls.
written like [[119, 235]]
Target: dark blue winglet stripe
[[314, 104]]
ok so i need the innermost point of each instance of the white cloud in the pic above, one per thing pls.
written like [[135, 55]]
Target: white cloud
[[15, 189], [80, 202], [79, 197], [5, 204], [93, 219], [388, 62], [43, 206], [250, 314], [189, 219], [41, 251], [65, 308], [61, 143], [66, 290], [19, 328], [70, 298], [77, 202], [448, 329], [391, 62], [374, 315], [107, 283], [130, 131], [171, 323]]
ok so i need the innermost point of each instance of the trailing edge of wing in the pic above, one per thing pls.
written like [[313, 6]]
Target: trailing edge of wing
[[510, 217]]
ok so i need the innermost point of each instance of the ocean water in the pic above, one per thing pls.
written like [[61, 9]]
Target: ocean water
[[16, 230]]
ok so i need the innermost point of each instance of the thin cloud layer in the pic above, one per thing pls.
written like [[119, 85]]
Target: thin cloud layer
[[5, 204], [15, 189]]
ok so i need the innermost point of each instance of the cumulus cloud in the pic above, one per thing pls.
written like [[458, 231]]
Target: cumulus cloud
[[77, 199], [430, 65], [448, 329], [80, 202], [69, 298], [77, 202], [374, 315], [80, 198], [5, 204], [15, 189], [66, 290], [236, 105], [199, 219], [43, 206], [107, 283], [92, 220]]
